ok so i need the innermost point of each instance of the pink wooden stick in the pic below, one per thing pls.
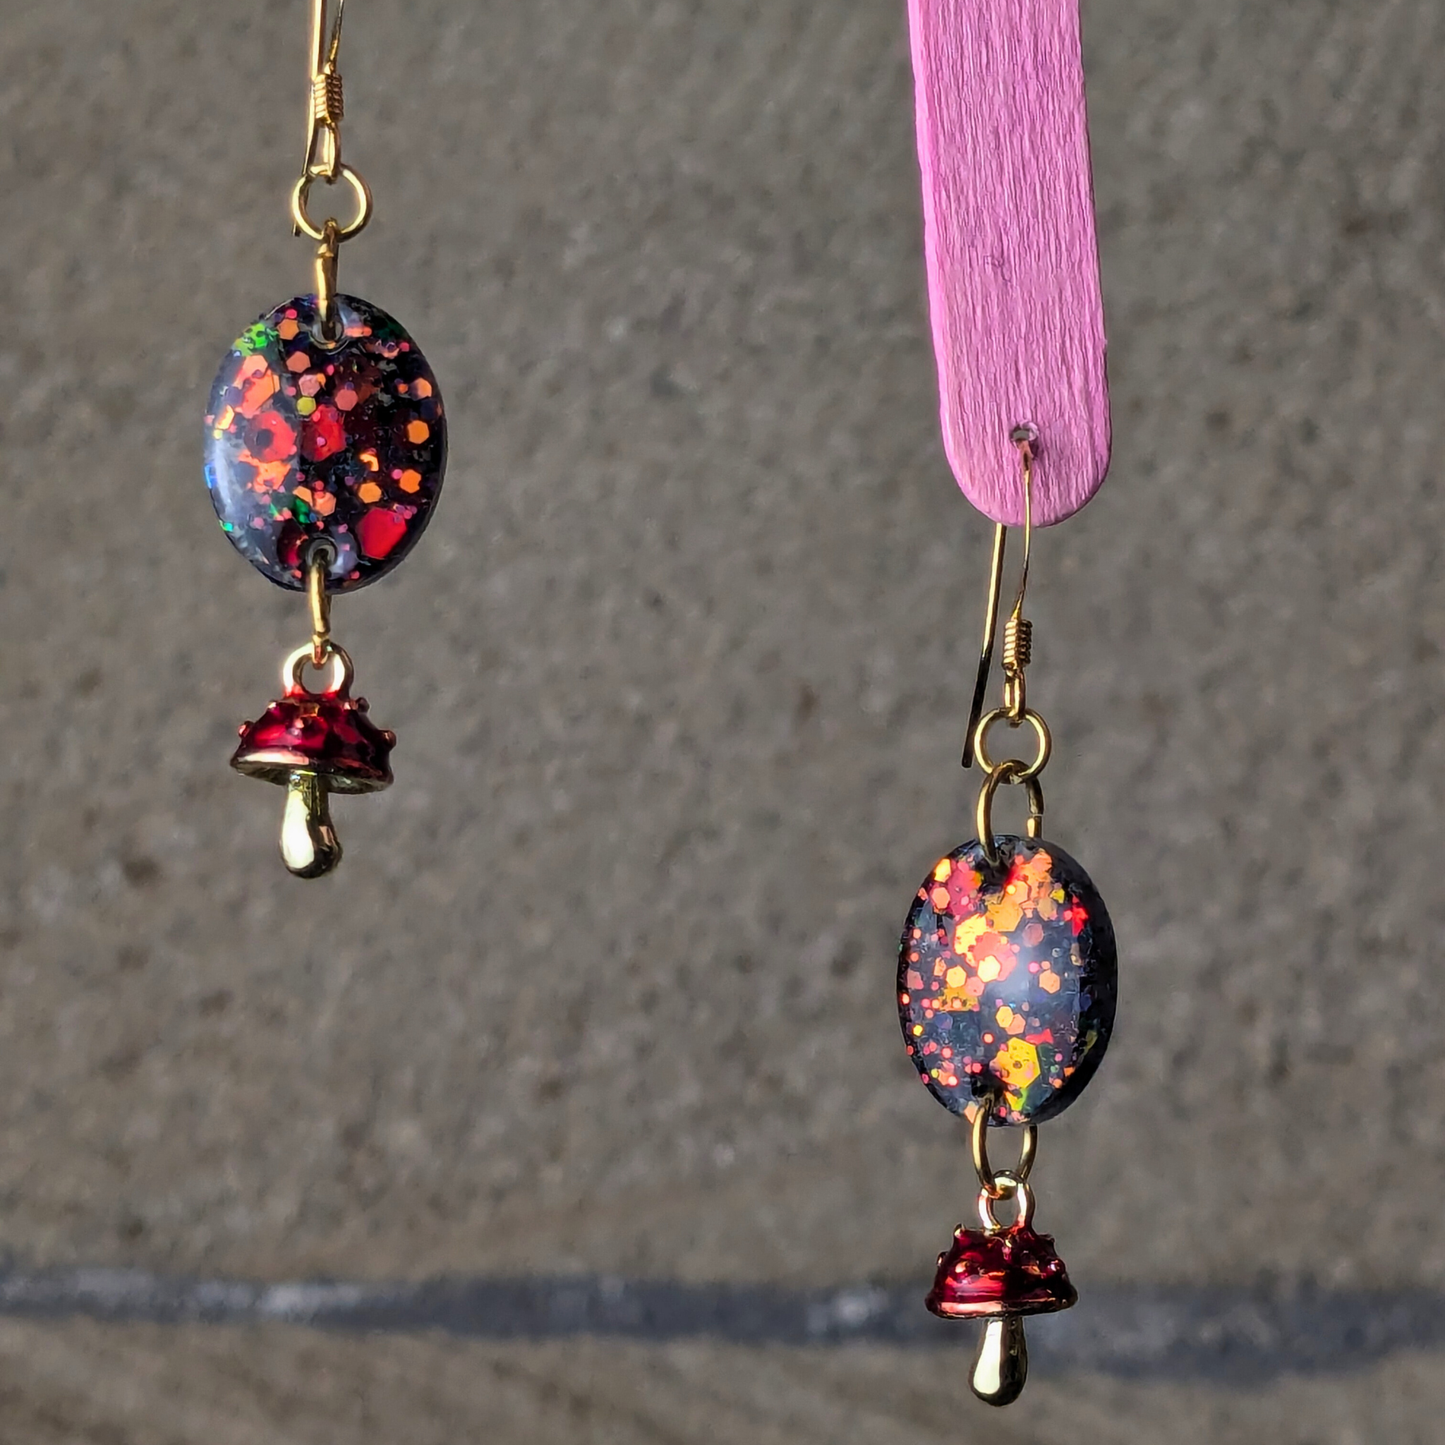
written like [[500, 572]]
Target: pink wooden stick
[[1013, 264]]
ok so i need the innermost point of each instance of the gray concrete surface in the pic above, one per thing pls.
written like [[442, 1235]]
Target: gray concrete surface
[[605, 981], [92, 1385]]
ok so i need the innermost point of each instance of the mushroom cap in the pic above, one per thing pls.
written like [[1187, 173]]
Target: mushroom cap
[[328, 734], [991, 1272]]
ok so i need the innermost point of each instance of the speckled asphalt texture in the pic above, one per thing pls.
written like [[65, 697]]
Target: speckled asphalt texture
[[605, 982]]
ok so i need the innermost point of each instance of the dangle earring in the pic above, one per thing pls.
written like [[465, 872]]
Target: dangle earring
[[325, 449], [1007, 970]]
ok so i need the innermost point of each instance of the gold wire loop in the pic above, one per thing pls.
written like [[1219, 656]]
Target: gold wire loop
[[1018, 632], [300, 196], [990, 629], [1010, 770], [342, 670], [978, 1144], [1041, 732], [329, 325], [319, 600], [1017, 650], [1010, 1187]]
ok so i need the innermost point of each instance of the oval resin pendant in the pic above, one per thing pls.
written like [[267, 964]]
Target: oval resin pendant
[[305, 441], [1006, 980]]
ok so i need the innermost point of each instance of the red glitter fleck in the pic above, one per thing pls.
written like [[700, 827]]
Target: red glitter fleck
[[289, 543], [322, 434], [269, 438], [379, 531]]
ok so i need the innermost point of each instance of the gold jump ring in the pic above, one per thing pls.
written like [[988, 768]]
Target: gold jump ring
[[1041, 732], [1008, 771], [1012, 1188], [301, 193], [978, 1140], [342, 671]]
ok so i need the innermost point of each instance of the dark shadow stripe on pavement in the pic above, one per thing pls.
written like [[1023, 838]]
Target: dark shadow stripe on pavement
[[1141, 1331]]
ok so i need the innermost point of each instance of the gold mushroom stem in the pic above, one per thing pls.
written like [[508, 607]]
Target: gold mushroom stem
[[309, 845], [1001, 1367]]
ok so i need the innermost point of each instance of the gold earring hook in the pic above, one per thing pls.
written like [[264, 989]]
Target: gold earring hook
[[326, 104], [319, 601], [1018, 633], [319, 20]]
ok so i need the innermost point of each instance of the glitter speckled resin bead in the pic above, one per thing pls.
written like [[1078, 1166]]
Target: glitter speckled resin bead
[[303, 441], [1007, 967], [1006, 980]]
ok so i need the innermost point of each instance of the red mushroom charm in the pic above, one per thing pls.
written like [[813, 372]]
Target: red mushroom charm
[[315, 744], [999, 1274]]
